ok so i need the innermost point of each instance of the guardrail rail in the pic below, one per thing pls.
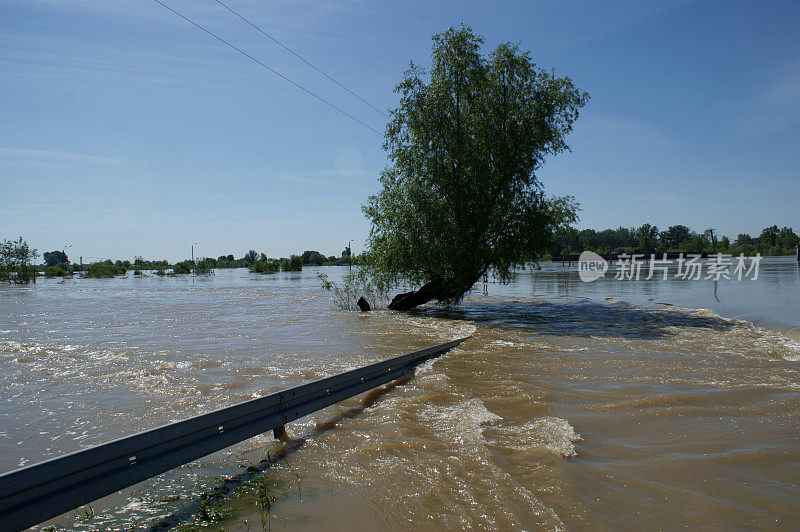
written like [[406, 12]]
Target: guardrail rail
[[39, 492]]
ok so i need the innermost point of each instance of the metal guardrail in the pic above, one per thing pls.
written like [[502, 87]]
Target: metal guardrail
[[39, 492]]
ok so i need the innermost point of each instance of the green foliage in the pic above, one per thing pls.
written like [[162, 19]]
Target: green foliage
[[265, 266], [697, 244], [676, 239], [326, 283], [56, 271], [250, 257], [16, 257], [460, 195], [673, 238], [139, 263], [200, 267], [204, 267], [354, 285], [292, 264], [647, 238], [226, 261], [773, 241], [55, 258], [105, 269], [313, 258], [182, 267]]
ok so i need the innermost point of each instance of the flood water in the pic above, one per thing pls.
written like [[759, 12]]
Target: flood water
[[613, 405]]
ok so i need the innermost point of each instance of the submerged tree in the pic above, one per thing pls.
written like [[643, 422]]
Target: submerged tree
[[55, 258], [16, 257], [292, 264], [460, 195]]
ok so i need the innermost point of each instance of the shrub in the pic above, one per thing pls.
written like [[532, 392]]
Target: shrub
[[183, 267], [354, 285], [204, 267], [292, 264], [265, 266], [55, 271], [106, 269], [15, 261]]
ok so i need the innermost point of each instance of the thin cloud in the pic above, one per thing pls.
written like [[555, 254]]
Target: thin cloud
[[30, 157]]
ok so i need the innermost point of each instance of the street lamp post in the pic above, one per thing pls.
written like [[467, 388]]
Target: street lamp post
[[64, 251]]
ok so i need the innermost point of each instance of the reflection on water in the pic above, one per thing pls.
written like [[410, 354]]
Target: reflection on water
[[580, 318], [574, 405], [772, 298]]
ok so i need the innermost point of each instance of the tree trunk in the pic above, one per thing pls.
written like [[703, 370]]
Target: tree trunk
[[437, 289], [408, 300], [363, 304]]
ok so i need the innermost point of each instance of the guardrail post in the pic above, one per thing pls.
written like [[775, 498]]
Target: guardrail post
[[279, 433]]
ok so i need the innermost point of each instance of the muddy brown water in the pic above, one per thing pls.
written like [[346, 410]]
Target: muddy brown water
[[612, 405]]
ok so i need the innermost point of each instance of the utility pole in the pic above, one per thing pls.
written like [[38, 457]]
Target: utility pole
[[350, 254], [194, 267], [713, 240]]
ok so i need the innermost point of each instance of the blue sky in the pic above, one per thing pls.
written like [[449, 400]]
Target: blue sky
[[124, 130]]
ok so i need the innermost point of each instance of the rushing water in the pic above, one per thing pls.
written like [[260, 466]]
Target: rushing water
[[611, 405]]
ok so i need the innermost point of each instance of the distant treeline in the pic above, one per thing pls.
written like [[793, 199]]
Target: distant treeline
[[17, 258], [648, 239], [292, 263], [17, 264]]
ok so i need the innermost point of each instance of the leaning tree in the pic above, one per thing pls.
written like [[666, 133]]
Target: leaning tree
[[460, 196]]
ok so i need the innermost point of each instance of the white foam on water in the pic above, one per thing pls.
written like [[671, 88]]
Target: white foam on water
[[446, 330], [767, 340], [770, 341], [552, 433], [462, 425], [507, 343], [778, 344], [462, 422]]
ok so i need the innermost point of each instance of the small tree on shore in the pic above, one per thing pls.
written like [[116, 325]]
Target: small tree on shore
[[460, 195]]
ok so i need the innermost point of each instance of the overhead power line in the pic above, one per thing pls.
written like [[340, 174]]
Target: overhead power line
[[315, 95], [301, 58]]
